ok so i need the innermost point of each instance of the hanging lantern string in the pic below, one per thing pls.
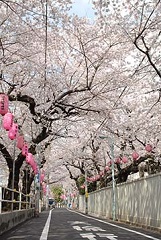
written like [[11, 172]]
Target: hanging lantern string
[[14, 108]]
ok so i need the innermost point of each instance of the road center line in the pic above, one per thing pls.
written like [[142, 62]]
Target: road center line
[[45, 231], [111, 224]]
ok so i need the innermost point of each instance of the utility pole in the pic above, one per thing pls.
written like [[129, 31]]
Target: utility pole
[[37, 186], [37, 193], [113, 182], [86, 193], [47, 192]]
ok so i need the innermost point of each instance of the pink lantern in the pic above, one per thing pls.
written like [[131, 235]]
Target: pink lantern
[[88, 179], [34, 167], [25, 149], [124, 159], [109, 163], [107, 168], [97, 177], [35, 171], [42, 177], [102, 173], [135, 155], [92, 179], [72, 195], [148, 148], [4, 103], [118, 160], [62, 197], [44, 191], [20, 141], [7, 121], [12, 133], [29, 158], [44, 188]]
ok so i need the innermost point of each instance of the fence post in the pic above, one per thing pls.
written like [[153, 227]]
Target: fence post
[[20, 200], [30, 201], [0, 199]]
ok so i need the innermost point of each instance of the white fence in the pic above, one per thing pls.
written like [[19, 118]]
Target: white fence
[[137, 202], [17, 208], [23, 202]]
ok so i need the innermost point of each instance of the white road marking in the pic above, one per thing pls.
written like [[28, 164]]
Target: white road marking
[[111, 224], [90, 236], [77, 228], [77, 222], [45, 231], [109, 236], [94, 229]]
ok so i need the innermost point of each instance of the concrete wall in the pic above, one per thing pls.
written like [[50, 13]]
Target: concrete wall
[[11, 219], [137, 202]]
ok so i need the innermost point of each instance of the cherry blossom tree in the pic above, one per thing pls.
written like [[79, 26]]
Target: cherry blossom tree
[[135, 115], [71, 81], [23, 64]]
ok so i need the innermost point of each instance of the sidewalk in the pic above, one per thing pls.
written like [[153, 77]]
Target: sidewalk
[[28, 230]]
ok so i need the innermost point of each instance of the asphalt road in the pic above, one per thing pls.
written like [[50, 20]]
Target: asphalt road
[[64, 224]]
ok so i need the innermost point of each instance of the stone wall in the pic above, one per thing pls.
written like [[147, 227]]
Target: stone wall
[[11, 219]]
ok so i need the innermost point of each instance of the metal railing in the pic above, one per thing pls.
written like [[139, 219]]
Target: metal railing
[[15, 200]]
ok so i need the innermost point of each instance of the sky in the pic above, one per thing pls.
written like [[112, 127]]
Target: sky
[[83, 8]]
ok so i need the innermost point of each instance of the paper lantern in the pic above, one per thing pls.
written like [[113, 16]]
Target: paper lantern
[[124, 159], [72, 195], [63, 197], [102, 173], [25, 149], [88, 179], [94, 179], [34, 167], [20, 141], [12, 133], [148, 148], [109, 163], [4, 103], [107, 168], [29, 158], [135, 155], [42, 177], [35, 171], [118, 160], [44, 188], [7, 121], [44, 191], [97, 177]]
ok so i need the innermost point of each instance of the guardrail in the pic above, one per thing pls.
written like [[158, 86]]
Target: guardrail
[[15, 201]]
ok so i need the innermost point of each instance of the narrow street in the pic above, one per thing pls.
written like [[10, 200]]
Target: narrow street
[[64, 224]]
